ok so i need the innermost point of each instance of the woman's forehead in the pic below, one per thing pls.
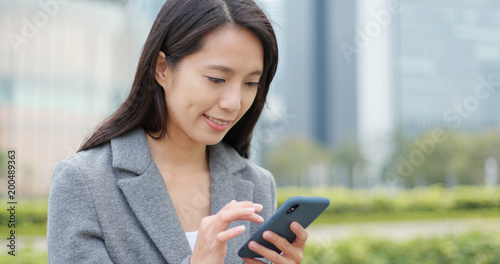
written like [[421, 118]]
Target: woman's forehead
[[231, 49]]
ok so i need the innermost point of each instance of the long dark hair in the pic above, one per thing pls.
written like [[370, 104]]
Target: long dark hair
[[178, 31]]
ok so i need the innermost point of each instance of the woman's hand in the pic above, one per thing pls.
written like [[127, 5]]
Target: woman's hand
[[210, 246], [291, 252]]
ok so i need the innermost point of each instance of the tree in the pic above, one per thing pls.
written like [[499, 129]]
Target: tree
[[289, 160], [456, 159]]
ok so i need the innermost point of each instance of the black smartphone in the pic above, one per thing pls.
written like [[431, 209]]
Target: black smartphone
[[301, 209]]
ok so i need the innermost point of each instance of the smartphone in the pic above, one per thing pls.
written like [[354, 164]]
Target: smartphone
[[301, 209]]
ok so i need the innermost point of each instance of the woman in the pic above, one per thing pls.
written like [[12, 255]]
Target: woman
[[165, 179]]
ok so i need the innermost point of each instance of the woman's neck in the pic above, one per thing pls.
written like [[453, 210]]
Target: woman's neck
[[178, 157]]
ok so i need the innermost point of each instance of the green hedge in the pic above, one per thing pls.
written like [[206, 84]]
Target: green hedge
[[435, 198], [31, 217], [27, 212], [476, 247]]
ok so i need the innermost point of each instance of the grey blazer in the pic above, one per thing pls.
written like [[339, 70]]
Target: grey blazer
[[110, 204]]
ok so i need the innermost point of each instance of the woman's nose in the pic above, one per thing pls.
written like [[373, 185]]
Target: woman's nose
[[231, 99]]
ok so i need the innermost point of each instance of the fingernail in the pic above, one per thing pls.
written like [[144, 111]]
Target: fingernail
[[250, 210], [259, 206], [267, 234], [241, 228], [253, 245]]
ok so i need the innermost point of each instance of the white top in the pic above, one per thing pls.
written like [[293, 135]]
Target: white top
[[191, 236]]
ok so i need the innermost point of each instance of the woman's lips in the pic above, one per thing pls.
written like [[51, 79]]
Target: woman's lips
[[216, 124]]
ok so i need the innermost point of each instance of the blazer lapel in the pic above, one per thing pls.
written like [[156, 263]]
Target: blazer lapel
[[227, 184], [146, 193]]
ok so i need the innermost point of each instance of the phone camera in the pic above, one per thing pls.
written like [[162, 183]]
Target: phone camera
[[292, 209]]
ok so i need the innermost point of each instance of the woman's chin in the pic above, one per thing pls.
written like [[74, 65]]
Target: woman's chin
[[213, 140]]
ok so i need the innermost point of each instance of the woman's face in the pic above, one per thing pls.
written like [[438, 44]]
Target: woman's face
[[211, 89]]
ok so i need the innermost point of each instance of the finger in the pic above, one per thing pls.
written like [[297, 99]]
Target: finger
[[301, 234], [258, 207], [226, 235], [252, 261], [280, 242], [269, 254], [290, 251], [239, 213]]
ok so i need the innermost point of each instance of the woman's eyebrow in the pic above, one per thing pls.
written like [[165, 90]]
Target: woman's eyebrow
[[227, 69]]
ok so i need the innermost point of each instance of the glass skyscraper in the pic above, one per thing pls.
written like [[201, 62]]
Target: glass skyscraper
[[447, 65]]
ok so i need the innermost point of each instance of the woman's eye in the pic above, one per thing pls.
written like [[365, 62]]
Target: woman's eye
[[253, 84], [216, 80]]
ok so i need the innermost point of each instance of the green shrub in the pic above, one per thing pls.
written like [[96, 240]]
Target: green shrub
[[31, 217], [428, 199], [475, 247], [28, 212]]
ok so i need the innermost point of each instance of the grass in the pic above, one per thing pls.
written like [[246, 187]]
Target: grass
[[473, 247]]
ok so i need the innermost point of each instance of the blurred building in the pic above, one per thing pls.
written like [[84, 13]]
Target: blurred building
[[355, 68], [323, 105], [447, 53], [336, 86], [370, 69], [65, 65]]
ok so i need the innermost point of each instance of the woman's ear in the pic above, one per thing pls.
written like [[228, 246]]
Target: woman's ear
[[161, 69]]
